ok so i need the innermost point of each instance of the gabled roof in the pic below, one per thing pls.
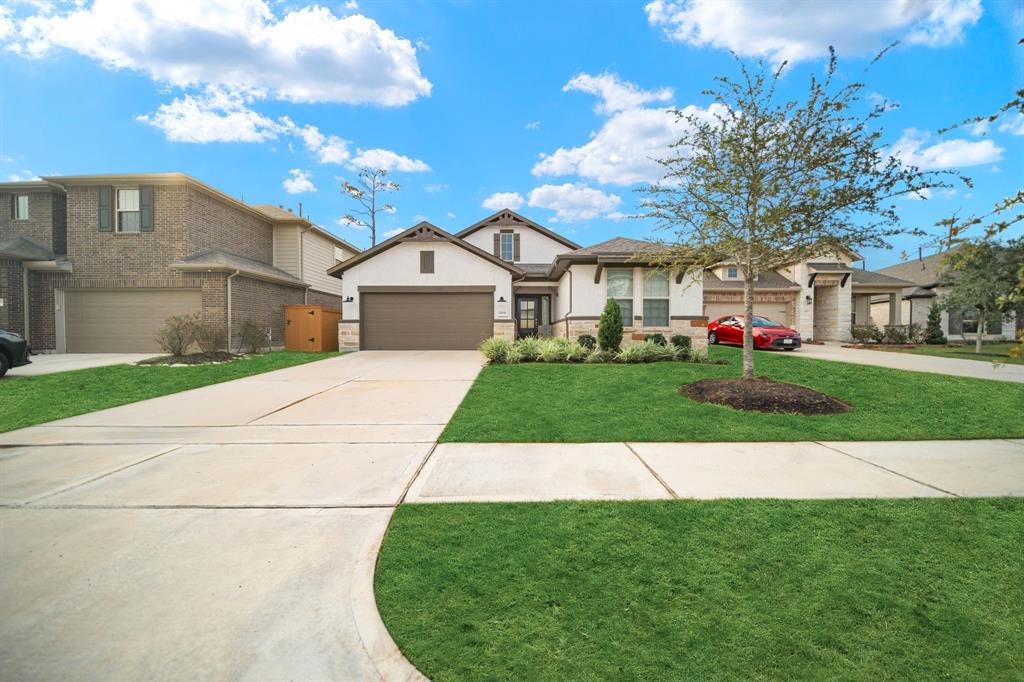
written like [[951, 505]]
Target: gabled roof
[[878, 279], [280, 215], [618, 246], [766, 281], [422, 232], [24, 249], [925, 271], [30, 186], [225, 261], [507, 216]]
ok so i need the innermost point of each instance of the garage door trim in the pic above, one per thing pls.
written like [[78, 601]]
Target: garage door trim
[[383, 329], [467, 289]]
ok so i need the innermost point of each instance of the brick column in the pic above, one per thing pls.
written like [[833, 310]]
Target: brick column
[[348, 335]]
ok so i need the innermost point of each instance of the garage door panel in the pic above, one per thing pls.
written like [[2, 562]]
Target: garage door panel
[[425, 321], [99, 321], [773, 311]]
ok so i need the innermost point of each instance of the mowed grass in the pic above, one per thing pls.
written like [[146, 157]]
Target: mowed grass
[[37, 399], [592, 403], [726, 590], [990, 352]]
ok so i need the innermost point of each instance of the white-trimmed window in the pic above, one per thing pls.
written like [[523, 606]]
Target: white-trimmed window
[[732, 273], [21, 207], [620, 288], [508, 246], [656, 299], [129, 215]]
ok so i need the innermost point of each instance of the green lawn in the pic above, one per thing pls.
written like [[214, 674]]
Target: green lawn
[[37, 399], [991, 352], [592, 403], [729, 590]]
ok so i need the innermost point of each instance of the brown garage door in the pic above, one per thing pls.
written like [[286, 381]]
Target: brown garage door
[[773, 311], [425, 321], [98, 321]]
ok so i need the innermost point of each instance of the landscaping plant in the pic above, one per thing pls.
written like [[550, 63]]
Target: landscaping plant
[[895, 334], [253, 338], [210, 337], [933, 332], [495, 349], [982, 275], [609, 327], [178, 334], [528, 348], [646, 351], [588, 341], [765, 182], [657, 338]]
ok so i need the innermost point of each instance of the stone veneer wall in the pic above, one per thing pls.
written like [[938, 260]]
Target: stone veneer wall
[[348, 335], [695, 328], [505, 329]]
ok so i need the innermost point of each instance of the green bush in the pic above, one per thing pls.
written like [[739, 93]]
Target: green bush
[[646, 351], [657, 338], [866, 333], [601, 356], [933, 330], [682, 341], [253, 338], [495, 349], [609, 328], [528, 348], [896, 334], [178, 334], [560, 349], [588, 341], [915, 333]]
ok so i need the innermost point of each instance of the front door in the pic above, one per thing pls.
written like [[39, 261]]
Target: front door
[[527, 315]]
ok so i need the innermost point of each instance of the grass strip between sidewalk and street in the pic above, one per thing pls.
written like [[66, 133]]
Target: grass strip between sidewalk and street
[[37, 399], [727, 590]]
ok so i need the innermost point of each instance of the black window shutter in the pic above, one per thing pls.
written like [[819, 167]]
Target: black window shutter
[[105, 219], [515, 246], [497, 245], [146, 208], [14, 206]]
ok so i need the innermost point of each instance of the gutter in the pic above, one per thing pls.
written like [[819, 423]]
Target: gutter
[[569, 311]]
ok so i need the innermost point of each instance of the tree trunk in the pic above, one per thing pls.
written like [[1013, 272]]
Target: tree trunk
[[981, 330], [748, 327]]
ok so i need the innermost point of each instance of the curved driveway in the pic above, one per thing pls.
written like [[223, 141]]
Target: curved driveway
[[228, 532]]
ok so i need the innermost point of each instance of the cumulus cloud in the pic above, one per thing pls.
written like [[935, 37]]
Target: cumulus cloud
[[22, 176], [434, 188], [912, 149], [500, 200], [388, 160], [797, 31], [573, 202], [615, 94], [305, 55], [299, 182], [388, 234], [215, 115], [533, 125], [1013, 125]]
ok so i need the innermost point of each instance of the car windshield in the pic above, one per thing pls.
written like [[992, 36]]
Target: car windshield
[[765, 322]]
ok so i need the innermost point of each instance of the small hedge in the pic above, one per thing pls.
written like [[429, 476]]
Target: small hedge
[[499, 351]]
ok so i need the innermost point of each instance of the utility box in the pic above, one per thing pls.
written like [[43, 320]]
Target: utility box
[[311, 328]]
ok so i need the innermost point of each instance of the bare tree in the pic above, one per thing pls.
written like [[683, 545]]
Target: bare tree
[[371, 182], [762, 182]]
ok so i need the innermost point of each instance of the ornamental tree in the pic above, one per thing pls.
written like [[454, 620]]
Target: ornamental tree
[[763, 182], [609, 327], [981, 275], [371, 182]]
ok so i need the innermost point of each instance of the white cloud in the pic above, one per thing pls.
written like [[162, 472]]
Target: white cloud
[[533, 125], [341, 222], [298, 181], [614, 93], [213, 116], [1013, 125], [573, 202], [388, 160], [391, 233], [22, 176], [911, 150], [450, 215], [306, 55], [6, 23], [796, 31], [500, 200], [928, 193], [332, 150], [435, 187], [351, 4]]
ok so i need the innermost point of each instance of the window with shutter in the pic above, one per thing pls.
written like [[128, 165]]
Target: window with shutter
[[105, 215], [21, 207]]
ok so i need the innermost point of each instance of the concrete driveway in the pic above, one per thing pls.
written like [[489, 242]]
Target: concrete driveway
[[48, 363], [917, 363], [228, 532]]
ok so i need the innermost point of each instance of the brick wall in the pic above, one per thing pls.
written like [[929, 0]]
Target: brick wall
[[695, 329], [263, 303], [41, 219], [11, 316], [326, 300], [213, 224]]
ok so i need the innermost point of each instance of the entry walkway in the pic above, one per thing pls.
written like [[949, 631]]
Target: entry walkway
[[977, 369]]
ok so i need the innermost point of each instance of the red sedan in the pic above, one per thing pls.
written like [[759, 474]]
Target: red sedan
[[767, 333]]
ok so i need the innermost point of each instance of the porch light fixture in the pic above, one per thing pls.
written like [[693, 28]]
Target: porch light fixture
[[501, 299], [348, 299], [808, 298]]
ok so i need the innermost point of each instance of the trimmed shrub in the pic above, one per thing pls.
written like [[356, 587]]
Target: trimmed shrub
[[588, 341], [896, 334], [933, 330], [915, 333], [866, 333], [528, 348], [574, 352], [514, 355], [178, 334], [609, 328], [495, 349], [253, 338], [601, 356], [646, 351], [211, 337], [682, 341], [657, 338]]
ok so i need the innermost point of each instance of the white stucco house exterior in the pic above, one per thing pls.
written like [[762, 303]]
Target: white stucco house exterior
[[509, 276]]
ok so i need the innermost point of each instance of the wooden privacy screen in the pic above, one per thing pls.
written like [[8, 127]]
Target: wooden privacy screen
[[311, 328]]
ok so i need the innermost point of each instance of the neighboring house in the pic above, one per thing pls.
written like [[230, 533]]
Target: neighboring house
[[103, 260], [925, 275]]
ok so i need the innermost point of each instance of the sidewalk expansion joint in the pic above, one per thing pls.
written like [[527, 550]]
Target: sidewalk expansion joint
[[301, 400], [891, 471], [419, 470], [663, 482]]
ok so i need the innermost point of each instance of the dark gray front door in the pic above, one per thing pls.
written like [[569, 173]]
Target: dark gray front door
[[527, 315]]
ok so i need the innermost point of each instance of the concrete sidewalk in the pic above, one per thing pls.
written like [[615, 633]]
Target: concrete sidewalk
[[515, 472], [50, 363], [975, 369]]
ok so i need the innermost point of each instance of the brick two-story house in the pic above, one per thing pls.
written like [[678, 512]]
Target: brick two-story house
[[103, 260]]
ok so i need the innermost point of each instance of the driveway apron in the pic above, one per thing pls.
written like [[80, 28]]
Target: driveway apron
[[227, 532]]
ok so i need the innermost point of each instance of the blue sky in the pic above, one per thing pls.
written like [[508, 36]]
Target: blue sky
[[556, 108]]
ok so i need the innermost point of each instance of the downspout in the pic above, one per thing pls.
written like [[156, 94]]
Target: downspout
[[230, 277], [26, 308], [566, 316]]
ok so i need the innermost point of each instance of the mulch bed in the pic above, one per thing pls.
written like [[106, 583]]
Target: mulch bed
[[764, 395], [192, 358]]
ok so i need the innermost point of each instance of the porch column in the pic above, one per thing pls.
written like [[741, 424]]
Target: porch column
[[895, 309]]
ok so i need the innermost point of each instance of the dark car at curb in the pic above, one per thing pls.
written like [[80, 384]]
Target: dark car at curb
[[768, 334], [14, 351]]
